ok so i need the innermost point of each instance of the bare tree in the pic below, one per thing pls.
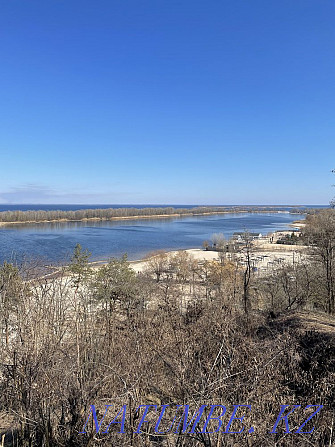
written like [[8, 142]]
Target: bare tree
[[246, 249], [320, 233]]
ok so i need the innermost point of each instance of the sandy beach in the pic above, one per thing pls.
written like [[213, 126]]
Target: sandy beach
[[265, 257]]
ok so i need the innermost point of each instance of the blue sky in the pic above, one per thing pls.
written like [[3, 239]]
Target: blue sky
[[152, 101]]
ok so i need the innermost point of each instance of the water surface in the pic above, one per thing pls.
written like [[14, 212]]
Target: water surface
[[54, 242]]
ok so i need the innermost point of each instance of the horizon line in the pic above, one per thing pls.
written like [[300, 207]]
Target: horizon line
[[161, 204]]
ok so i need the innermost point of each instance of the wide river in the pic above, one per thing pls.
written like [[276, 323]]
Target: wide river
[[54, 242]]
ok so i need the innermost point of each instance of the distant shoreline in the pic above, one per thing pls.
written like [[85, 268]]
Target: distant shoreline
[[145, 216]]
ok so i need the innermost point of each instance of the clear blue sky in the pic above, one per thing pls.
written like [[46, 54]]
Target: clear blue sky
[[166, 101]]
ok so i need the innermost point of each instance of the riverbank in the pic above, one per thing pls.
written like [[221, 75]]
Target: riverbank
[[298, 224], [264, 256]]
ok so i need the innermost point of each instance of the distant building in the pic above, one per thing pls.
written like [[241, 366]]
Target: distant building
[[240, 236]]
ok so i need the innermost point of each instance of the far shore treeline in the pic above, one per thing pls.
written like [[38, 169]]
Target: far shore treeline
[[114, 213]]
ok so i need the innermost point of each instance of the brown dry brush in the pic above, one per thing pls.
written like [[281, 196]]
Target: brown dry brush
[[65, 347]]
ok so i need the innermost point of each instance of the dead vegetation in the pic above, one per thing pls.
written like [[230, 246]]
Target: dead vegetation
[[179, 333]]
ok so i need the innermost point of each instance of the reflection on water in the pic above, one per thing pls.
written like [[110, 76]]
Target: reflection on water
[[54, 241]]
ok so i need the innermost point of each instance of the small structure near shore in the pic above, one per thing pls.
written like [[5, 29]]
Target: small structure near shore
[[241, 236]]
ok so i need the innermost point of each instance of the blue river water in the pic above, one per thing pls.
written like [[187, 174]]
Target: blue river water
[[54, 242]]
